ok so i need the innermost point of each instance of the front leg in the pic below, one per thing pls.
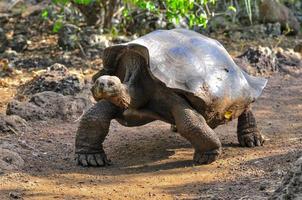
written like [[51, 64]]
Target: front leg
[[192, 126], [247, 131], [93, 128]]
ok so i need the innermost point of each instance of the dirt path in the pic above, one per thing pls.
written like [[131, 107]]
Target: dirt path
[[150, 162]]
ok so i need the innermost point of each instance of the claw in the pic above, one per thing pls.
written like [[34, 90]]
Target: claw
[[107, 161], [91, 160], [82, 160], [258, 140], [251, 139], [95, 160], [76, 159], [99, 160], [262, 140], [250, 143], [206, 157]]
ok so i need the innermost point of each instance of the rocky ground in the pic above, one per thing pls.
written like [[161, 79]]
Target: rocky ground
[[149, 162]]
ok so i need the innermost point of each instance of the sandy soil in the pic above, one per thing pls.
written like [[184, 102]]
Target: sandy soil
[[151, 162]]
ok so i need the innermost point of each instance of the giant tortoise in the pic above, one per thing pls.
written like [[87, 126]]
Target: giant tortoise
[[177, 76]]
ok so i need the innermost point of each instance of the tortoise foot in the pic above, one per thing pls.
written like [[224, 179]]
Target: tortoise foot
[[251, 139], [206, 157], [95, 160]]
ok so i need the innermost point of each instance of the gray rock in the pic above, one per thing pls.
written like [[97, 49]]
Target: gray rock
[[21, 28], [15, 195], [69, 37], [34, 62], [236, 35], [161, 22], [3, 41], [10, 160], [289, 61], [121, 39], [9, 54], [26, 110], [54, 94], [272, 11], [142, 22], [57, 79], [47, 105], [12, 124], [99, 41], [261, 60], [91, 41], [273, 29], [19, 43], [296, 8], [298, 48], [265, 61], [291, 186], [259, 30], [219, 23], [87, 32]]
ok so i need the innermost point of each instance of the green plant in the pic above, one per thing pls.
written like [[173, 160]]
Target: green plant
[[196, 12], [55, 12], [248, 7], [95, 12]]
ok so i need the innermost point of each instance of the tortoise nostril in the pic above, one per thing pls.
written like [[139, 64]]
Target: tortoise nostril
[[101, 85]]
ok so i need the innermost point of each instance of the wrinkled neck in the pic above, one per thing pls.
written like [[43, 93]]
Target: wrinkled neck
[[123, 100]]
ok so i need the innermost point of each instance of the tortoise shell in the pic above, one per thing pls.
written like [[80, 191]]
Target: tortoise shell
[[191, 63]]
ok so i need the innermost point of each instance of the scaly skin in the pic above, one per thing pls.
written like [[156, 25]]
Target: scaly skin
[[93, 128], [247, 131], [192, 126]]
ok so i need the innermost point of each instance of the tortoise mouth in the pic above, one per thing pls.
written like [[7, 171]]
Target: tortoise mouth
[[100, 93]]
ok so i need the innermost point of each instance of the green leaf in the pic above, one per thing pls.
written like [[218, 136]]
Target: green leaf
[[62, 2], [175, 19], [57, 26], [203, 20], [44, 14], [232, 8], [192, 20], [83, 2], [213, 2], [150, 6], [191, 4], [125, 13]]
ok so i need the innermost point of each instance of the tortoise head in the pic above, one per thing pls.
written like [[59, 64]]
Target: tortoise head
[[110, 88]]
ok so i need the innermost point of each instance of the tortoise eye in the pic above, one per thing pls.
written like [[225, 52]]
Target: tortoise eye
[[110, 84]]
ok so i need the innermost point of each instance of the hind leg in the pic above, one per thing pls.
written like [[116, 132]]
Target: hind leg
[[192, 126], [93, 129], [247, 132]]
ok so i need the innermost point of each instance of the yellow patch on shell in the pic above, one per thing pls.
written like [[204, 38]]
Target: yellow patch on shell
[[228, 115]]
